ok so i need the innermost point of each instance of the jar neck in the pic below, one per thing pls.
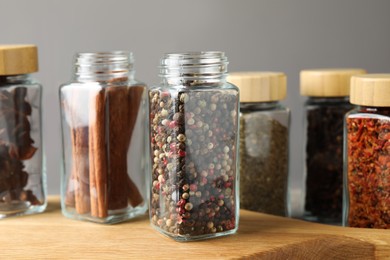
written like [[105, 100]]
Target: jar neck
[[374, 110], [259, 106], [14, 79], [104, 66], [194, 68], [328, 100]]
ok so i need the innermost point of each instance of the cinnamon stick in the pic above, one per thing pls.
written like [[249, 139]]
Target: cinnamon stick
[[79, 155], [118, 125], [97, 154], [101, 150], [134, 196], [135, 97]]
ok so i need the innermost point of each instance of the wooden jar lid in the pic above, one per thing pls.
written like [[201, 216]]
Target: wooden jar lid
[[18, 59], [259, 86], [327, 82], [371, 90]]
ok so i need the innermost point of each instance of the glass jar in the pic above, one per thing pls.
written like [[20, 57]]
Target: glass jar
[[367, 153], [22, 175], [264, 139], [194, 140], [324, 110], [104, 138]]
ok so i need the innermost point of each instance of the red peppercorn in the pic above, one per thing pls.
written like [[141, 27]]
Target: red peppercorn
[[172, 124], [193, 187], [172, 146]]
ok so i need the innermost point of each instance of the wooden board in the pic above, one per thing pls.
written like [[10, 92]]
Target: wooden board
[[51, 236]]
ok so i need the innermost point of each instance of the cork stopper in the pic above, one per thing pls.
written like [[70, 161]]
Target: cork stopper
[[18, 59], [371, 90], [259, 86], [327, 82]]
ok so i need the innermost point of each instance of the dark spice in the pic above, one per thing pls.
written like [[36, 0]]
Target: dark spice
[[263, 163], [324, 162], [193, 150], [16, 147], [368, 170]]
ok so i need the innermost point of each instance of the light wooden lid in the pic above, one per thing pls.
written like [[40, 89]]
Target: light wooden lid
[[259, 86], [18, 59], [371, 90], [327, 82]]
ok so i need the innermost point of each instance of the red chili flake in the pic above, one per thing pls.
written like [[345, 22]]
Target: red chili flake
[[368, 172]]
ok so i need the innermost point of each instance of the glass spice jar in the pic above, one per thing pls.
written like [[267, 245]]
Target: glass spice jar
[[104, 139], [194, 139], [324, 110], [367, 153], [264, 139], [22, 175]]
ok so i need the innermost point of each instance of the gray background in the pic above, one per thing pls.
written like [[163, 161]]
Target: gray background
[[271, 35]]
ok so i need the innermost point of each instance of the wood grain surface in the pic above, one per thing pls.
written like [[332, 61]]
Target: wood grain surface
[[51, 236]]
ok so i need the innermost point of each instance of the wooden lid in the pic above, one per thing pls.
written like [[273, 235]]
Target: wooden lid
[[327, 82], [259, 86], [371, 90], [18, 59]]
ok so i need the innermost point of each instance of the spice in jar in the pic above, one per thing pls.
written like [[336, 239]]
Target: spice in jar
[[102, 109], [193, 132], [327, 103], [367, 147], [22, 189], [263, 141]]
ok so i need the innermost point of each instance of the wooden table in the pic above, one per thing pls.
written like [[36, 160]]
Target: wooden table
[[51, 236]]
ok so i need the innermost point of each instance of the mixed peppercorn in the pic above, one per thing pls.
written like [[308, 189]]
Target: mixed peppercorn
[[193, 152]]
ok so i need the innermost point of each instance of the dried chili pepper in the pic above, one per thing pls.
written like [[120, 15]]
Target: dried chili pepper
[[368, 171], [367, 153]]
